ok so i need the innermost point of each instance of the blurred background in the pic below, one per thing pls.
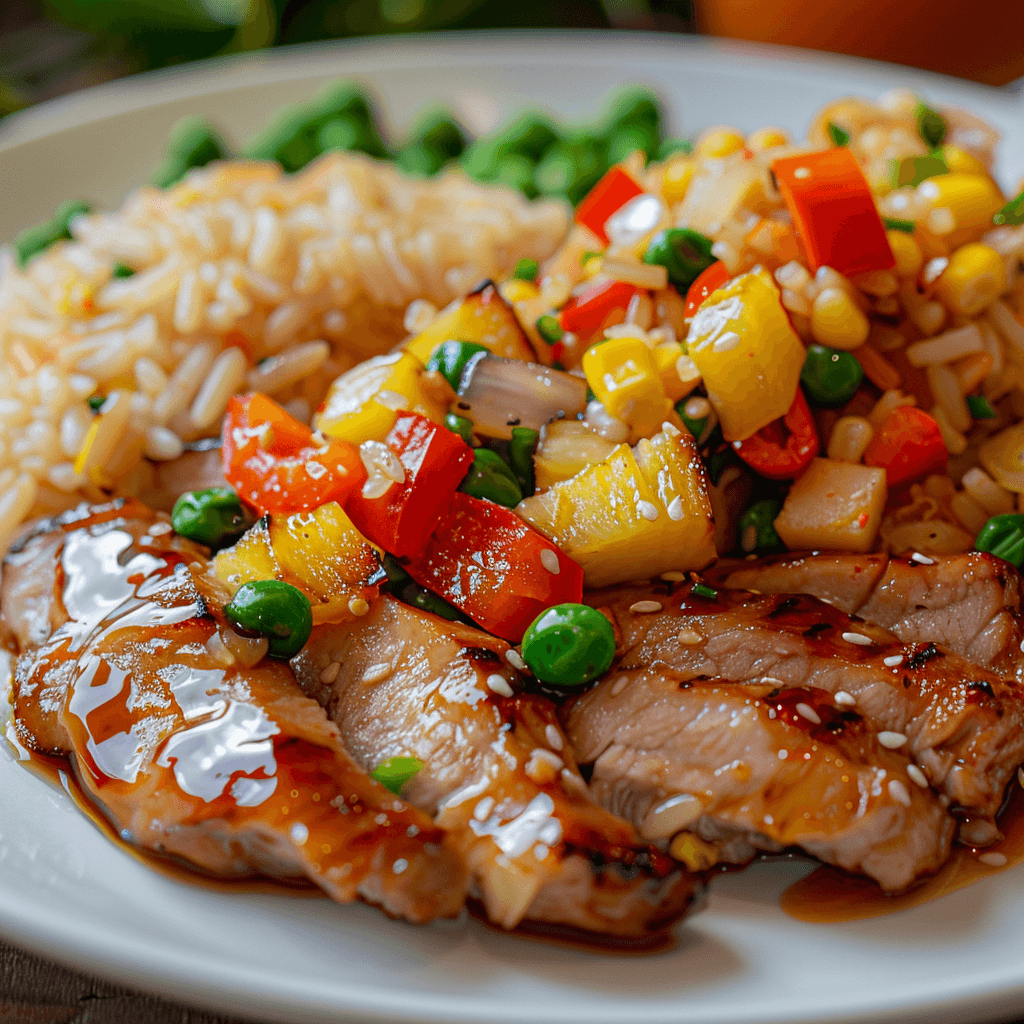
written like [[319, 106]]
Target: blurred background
[[50, 47]]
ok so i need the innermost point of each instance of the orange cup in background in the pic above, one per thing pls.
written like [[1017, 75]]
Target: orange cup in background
[[978, 39]]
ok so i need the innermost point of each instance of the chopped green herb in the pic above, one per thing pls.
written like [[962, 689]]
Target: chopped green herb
[[1012, 213], [549, 329], [837, 135], [912, 170], [122, 270], [931, 125], [96, 402], [980, 407], [703, 590], [526, 270], [895, 224], [395, 772]]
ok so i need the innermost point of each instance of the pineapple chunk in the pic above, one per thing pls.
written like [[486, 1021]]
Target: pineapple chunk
[[484, 317], [637, 513], [833, 505], [320, 552], [566, 448]]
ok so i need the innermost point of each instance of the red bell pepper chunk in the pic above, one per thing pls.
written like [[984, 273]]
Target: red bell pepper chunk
[[435, 460], [277, 464], [908, 446], [610, 194], [785, 448], [834, 212], [588, 313], [491, 565], [708, 281]]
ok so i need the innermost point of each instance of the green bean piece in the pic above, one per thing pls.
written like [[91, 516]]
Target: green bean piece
[[274, 609], [194, 142], [1012, 213], [461, 426], [931, 125], [480, 159], [521, 451], [530, 134], [451, 358], [636, 106], [830, 377], [341, 100], [703, 590], [516, 171], [683, 252], [210, 517], [549, 328], [895, 224], [395, 772], [418, 160], [526, 270], [1003, 536], [757, 527], [672, 146], [491, 479], [35, 240], [439, 132], [837, 136], [980, 407], [289, 139], [628, 138], [122, 270], [568, 645]]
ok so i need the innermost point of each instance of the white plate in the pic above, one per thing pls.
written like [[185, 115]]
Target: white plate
[[70, 894]]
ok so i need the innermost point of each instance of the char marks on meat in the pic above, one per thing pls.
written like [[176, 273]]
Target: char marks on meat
[[497, 773], [232, 770]]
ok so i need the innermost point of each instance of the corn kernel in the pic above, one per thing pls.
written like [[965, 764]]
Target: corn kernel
[[974, 278], [971, 199], [622, 374], [960, 161], [768, 138], [837, 321], [678, 173], [518, 291], [718, 142]]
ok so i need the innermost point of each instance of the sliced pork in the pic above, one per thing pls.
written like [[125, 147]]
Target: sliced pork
[[497, 773], [121, 669], [968, 603]]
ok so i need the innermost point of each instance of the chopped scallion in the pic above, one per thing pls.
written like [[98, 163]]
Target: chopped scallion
[[1012, 213], [96, 402], [549, 329], [395, 772], [980, 407], [703, 590], [895, 224], [931, 125], [837, 135], [121, 270]]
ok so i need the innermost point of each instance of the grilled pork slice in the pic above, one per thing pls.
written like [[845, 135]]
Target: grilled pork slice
[[961, 723], [735, 769], [233, 770], [969, 603], [497, 773]]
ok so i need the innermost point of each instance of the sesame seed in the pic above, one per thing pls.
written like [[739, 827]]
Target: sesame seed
[[550, 561], [783, 754], [899, 792], [375, 673], [858, 638], [554, 737], [674, 576], [515, 659], [329, 674], [923, 559], [844, 698], [642, 607], [689, 636], [891, 740], [497, 684], [671, 816], [400, 865], [620, 684], [543, 765], [675, 508], [893, 660], [917, 776], [647, 510], [993, 859], [806, 711]]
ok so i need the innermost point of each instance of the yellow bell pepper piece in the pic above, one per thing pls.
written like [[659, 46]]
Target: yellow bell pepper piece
[[639, 512], [748, 354], [622, 374], [364, 403], [484, 317]]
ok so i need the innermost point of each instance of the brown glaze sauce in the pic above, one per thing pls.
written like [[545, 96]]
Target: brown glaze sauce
[[828, 895]]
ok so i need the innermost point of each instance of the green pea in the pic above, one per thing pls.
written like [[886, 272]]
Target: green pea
[[274, 609], [931, 125], [760, 519], [549, 328], [1003, 536], [830, 376], [395, 772], [194, 142], [451, 358], [569, 645], [526, 270], [491, 479], [980, 407], [461, 426], [521, 449], [210, 516], [122, 270], [683, 252], [35, 240]]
